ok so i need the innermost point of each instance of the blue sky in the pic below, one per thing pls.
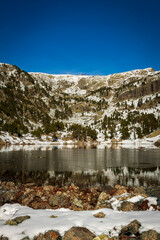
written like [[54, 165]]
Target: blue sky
[[77, 36]]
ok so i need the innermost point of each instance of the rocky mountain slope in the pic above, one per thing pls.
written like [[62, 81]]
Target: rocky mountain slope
[[121, 106]]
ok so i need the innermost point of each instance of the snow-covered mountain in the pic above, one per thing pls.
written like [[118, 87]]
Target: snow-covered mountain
[[122, 105]]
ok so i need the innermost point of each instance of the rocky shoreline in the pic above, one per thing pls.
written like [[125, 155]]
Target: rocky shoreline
[[117, 198]]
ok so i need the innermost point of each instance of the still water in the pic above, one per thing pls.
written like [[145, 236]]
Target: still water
[[85, 167]]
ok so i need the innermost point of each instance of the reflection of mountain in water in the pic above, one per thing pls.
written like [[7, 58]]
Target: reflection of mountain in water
[[84, 167]]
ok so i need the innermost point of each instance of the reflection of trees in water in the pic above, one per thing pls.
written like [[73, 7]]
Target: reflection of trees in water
[[111, 176], [85, 167]]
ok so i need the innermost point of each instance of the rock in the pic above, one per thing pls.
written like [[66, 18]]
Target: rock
[[115, 238], [87, 206], [150, 235], [102, 237], [25, 238], [6, 196], [78, 233], [139, 191], [103, 197], [77, 203], [99, 215], [10, 184], [3, 238], [16, 220], [131, 229], [49, 235], [123, 198], [119, 190], [38, 204], [127, 206], [28, 196], [48, 188], [157, 143], [102, 201], [53, 216], [59, 201], [142, 205]]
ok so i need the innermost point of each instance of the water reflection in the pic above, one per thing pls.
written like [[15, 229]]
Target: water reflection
[[85, 167]]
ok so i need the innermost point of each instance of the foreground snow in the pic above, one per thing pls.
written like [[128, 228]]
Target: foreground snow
[[40, 219]]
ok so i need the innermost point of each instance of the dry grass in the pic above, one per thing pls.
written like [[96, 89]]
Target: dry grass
[[154, 134]]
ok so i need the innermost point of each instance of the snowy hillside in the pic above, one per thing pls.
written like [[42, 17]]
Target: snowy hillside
[[80, 107]]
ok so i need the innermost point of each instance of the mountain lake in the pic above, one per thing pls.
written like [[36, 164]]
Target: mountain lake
[[84, 167]]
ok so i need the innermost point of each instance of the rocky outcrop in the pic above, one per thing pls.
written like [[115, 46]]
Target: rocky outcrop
[[138, 92]]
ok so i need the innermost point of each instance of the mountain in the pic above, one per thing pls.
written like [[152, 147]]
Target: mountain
[[120, 106]]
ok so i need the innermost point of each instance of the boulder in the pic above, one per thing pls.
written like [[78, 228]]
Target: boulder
[[131, 229], [150, 235], [78, 233]]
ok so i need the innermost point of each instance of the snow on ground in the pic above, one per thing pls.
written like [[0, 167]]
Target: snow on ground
[[100, 143], [40, 219], [130, 143]]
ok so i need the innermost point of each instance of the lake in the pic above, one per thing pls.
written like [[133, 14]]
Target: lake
[[85, 167]]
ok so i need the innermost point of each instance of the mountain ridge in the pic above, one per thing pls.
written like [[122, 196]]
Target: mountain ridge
[[116, 106]]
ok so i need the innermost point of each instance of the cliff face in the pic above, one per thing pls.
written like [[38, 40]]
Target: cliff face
[[138, 92], [121, 105]]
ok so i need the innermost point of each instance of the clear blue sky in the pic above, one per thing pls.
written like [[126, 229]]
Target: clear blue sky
[[80, 36]]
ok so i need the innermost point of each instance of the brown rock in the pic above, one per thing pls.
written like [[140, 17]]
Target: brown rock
[[16, 220], [40, 204], [53, 216], [139, 191], [28, 196], [102, 201], [119, 190], [58, 201], [150, 235], [143, 205], [127, 206], [102, 237], [49, 235], [3, 238], [99, 215], [48, 188], [77, 203], [7, 196], [10, 184], [131, 229], [78, 233]]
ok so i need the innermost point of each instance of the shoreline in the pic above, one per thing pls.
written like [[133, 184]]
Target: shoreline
[[7, 140]]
